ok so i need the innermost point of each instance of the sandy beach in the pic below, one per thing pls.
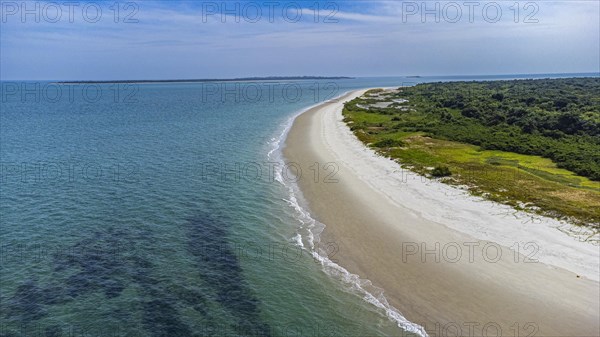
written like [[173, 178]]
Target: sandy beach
[[452, 263]]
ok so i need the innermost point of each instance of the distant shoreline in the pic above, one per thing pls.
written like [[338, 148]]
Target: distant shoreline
[[291, 78], [275, 78]]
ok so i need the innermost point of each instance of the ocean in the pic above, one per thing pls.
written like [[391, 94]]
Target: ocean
[[165, 209]]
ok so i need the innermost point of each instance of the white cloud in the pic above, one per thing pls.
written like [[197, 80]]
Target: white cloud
[[373, 36]]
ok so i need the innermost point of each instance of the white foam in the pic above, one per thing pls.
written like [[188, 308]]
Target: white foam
[[311, 228]]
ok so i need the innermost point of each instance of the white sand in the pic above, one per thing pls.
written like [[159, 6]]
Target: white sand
[[456, 208]]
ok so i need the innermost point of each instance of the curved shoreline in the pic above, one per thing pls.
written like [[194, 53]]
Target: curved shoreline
[[400, 246]]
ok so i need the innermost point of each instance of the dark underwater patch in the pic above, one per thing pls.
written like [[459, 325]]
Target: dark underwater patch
[[26, 304], [99, 264], [160, 320], [220, 269], [103, 263]]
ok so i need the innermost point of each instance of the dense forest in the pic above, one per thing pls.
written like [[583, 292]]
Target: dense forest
[[554, 118]]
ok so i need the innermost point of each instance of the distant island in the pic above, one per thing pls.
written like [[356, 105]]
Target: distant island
[[268, 78]]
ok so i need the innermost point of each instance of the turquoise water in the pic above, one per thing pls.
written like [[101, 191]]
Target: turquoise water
[[158, 210]]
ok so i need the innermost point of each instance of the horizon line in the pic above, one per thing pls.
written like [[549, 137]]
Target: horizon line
[[301, 77]]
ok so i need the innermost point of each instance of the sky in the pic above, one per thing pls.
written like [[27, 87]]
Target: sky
[[95, 40]]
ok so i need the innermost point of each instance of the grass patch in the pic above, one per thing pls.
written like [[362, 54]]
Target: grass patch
[[528, 182]]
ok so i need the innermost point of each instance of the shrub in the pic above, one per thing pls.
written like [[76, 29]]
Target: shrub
[[389, 143], [498, 96], [441, 171]]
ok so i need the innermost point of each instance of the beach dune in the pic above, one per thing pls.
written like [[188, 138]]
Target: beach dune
[[444, 260]]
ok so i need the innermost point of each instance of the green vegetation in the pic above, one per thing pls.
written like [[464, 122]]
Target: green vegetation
[[388, 142], [441, 171], [533, 144]]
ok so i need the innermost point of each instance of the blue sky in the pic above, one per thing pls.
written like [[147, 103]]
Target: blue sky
[[187, 39]]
